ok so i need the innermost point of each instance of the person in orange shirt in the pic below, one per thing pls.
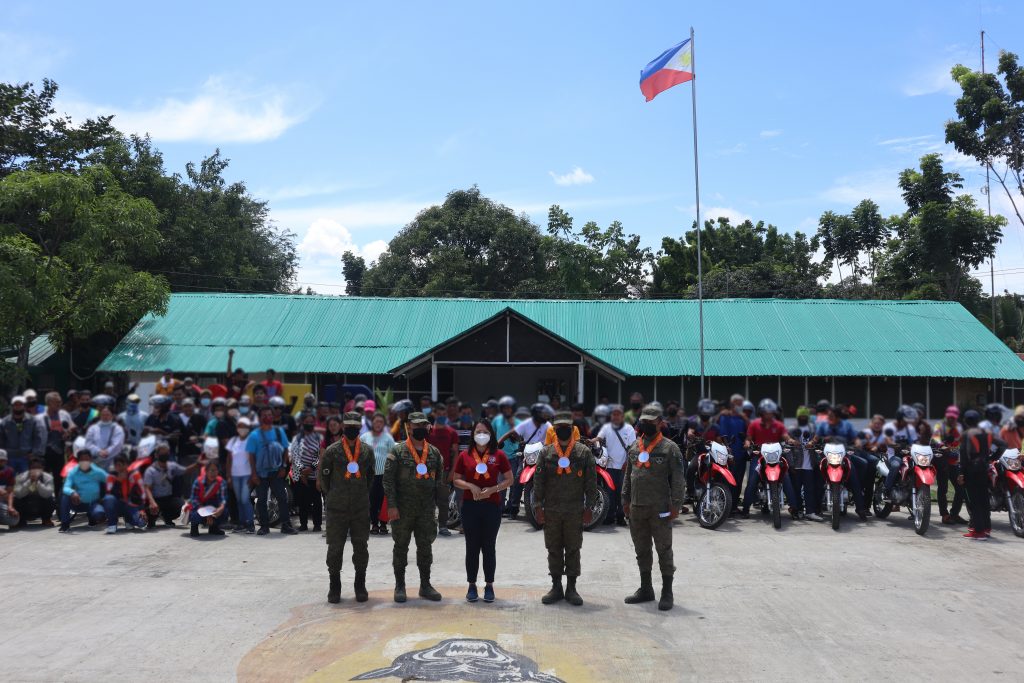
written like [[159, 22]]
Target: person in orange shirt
[[166, 385], [1013, 432]]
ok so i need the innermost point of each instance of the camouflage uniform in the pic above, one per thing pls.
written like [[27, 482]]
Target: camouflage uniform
[[416, 500], [562, 498]]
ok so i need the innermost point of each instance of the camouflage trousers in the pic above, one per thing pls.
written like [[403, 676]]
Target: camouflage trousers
[[649, 529]]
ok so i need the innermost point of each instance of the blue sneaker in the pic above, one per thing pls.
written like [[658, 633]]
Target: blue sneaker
[[488, 593], [471, 594]]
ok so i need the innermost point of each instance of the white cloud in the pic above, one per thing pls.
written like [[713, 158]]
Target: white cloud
[[320, 252], [219, 112], [735, 217], [771, 133], [372, 251], [935, 78], [879, 185], [28, 58], [376, 214], [303, 190], [575, 177]]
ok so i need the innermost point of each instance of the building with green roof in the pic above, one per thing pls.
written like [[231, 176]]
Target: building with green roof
[[873, 354]]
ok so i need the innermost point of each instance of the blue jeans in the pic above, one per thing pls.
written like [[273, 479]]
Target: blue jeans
[[243, 496], [18, 464], [754, 477], [866, 464], [94, 510], [895, 463], [515, 492], [738, 466], [116, 509]]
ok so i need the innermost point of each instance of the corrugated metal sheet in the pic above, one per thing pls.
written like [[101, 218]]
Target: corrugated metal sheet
[[757, 337], [39, 351]]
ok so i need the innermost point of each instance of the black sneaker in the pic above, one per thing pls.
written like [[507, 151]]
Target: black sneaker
[[263, 531], [288, 530], [64, 528]]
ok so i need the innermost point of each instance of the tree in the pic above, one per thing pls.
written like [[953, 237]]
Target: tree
[[990, 123], [66, 245], [871, 232], [353, 268], [33, 136]]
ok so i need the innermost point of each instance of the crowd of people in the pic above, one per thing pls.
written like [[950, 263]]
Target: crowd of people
[[190, 457]]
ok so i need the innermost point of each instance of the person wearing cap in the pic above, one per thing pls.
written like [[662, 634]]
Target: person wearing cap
[[205, 406], [978, 449], [283, 417], [105, 438], [191, 388], [166, 385], [60, 430], [564, 491], [490, 408], [839, 430], [616, 436], [268, 446], [83, 413], [21, 435], [946, 438], [305, 456], [207, 492], [272, 384], [805, 473], [379, 439], [414, 483], [133, 419], [532, 428], [636, 404], [367, 410], [8, 513], [83, 491], [126, 497], [347, 473], [32, 406], [159, 482], [240, 470], [245, 408], [504, 423], [652, 493], [1013, 432]]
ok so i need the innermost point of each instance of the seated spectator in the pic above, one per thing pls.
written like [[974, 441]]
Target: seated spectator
[[33, 494], [105, 438], [8, 513], [21, 435], [159, 483], [83, 491], [207, 491], [126, 497]]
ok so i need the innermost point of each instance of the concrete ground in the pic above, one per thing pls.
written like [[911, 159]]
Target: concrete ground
[[870, 602]]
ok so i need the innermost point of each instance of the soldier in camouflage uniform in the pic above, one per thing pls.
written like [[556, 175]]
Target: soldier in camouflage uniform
[[414, 483], [653, 488], [564, 490], [346, 475]]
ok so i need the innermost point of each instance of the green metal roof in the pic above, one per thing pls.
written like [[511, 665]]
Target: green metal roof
[[39, 351], [755, 337]]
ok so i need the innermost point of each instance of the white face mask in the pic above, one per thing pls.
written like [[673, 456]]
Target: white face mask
[[482, 438]]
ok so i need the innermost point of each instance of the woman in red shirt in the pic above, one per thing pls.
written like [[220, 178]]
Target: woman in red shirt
[[482, 472]]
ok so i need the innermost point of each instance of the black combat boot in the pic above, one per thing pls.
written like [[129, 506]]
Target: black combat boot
[[334, 592], [360, 586], [400, 585], [427, 591], [555, 594], [571, 596], [666, 601], [645, 593]]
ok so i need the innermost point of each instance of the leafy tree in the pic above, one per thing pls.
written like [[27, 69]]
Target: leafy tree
[[990, 123], [353, 268], [871, 232], [33, 136], [66, 246]]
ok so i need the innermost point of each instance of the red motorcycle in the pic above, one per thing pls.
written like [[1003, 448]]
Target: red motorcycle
[[835, 470], [713, 484], [1006, 488], [605, 485], [913, 487], [772, 469]]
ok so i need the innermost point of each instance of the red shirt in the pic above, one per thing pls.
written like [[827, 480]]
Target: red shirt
[[442, 437], [274, 388], [760, 434], [496, 462]]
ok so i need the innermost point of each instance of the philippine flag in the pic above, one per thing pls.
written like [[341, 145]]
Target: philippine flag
[[672, 67]]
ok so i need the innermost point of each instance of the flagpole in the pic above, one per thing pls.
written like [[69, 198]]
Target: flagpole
[[696, 185]]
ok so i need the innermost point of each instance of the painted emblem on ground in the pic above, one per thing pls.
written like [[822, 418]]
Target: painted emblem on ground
[[462, 659]]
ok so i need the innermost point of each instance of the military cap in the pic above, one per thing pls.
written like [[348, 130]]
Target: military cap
[[352, 418], [650, 413], [418, 418], [562, 419]]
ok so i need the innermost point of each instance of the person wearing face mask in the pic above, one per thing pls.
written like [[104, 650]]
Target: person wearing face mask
[[504, 423], [126, 497], [9, 515], [652, 494], [284, 419], [193, 427], [1013, 432], [34, 494], [207, 492], [446, 441], [21, 435], [159, 483], [133, 419], [305, 454], [564, 491], [346, 477], [379, 439], [636, 404], [245, 408], [947, 438], [205, 404], [268, 446], [240, 470], [83, 413], [805, 474], [105, 439], [616, 436], [482, 473], [414, 483], [60, 429], [83, 491], [162, 423]]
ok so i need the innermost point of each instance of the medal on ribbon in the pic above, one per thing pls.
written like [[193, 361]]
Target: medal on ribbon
[[563, 457], [644, 458], [420, 458], [353, 459], [481, 464]]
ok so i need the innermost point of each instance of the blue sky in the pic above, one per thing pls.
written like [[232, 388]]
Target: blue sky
[[350, 118]]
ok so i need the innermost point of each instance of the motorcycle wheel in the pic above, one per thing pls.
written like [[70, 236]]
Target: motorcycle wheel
[[837, 496], [1017, 517], [273, 510], [600, 509], [528, 500], [881, 506], [776, 494], [454, 514], [922, 509], [714, 506]]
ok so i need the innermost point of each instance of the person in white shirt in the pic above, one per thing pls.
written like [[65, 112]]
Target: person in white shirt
[[616, 436], [105, 439], [241, 470]]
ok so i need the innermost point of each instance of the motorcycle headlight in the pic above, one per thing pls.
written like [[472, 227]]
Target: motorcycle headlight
[[923, 459], [834, 459], [531, 458], [772, 457], [1011, 463]]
